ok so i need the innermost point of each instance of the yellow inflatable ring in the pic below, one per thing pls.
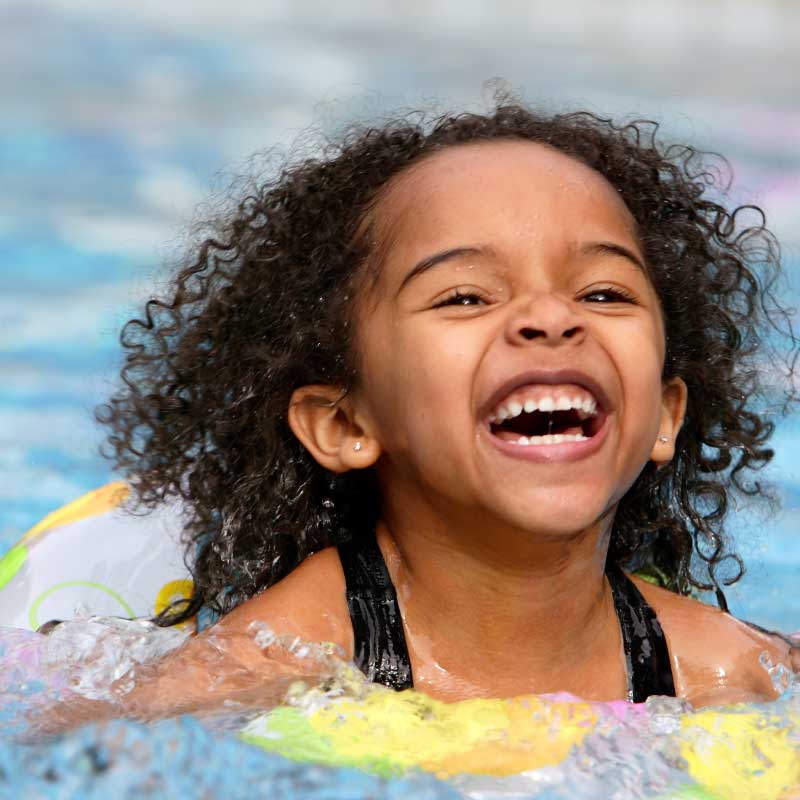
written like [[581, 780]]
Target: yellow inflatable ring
[[732, 752]]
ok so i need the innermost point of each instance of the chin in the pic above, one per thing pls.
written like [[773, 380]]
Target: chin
[[563, 526]]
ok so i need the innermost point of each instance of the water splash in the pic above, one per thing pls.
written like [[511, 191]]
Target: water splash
[[783, 679], [535, 747]]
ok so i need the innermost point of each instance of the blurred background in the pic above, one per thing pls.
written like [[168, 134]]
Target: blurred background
[[118, 119]]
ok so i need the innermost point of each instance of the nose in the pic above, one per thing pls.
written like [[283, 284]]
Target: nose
[[550, 319]]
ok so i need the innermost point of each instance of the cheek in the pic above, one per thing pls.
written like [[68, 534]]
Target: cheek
[[417, 390], [442, 369], [641, 360]]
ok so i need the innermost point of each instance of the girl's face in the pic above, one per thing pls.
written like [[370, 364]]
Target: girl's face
[[513, 285]]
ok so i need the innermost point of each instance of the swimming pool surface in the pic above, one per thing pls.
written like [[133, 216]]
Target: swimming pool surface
[[117, 120]]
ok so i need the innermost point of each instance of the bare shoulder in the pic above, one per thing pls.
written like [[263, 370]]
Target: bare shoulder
[[310, 602], [227, 663], [716, 657]]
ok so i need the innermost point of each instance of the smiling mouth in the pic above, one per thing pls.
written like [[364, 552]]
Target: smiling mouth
[[540, 427], [547, 415]]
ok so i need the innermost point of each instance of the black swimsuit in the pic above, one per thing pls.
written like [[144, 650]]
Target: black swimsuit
[[381, 653]]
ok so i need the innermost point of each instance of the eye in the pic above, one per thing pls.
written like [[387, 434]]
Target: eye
[[611, 295], [458, 298]]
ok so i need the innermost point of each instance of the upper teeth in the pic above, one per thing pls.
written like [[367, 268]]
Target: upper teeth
[[585, 407]]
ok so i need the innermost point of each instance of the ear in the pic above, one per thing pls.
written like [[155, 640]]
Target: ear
[[674, 395], [326, 421]]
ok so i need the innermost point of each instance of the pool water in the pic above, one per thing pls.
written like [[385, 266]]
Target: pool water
[[536, 747], [115, 125]]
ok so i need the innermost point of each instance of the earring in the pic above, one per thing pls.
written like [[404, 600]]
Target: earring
[[357, 446], [663, 438]]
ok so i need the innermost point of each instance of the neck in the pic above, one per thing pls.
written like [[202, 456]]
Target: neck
[[483, 591]]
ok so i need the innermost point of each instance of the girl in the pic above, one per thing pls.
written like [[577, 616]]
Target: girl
[[434, 395]]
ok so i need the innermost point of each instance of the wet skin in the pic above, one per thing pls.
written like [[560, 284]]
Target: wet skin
[[498, 553]]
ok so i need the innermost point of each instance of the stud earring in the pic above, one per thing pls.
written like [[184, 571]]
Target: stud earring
[[663, 438], [357, 446]]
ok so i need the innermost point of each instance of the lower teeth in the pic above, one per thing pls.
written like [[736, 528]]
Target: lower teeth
[[554, 438]]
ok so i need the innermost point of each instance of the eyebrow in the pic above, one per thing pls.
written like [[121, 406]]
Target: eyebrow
[[592, 248], [439, 258], [609, 248]]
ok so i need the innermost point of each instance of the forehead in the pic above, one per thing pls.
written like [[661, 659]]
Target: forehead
[[501, 189]]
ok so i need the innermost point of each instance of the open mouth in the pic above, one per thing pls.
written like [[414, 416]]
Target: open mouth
[[551, 428], [540, 416]]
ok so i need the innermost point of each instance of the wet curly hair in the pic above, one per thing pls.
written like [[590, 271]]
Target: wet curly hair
[[265, 304]]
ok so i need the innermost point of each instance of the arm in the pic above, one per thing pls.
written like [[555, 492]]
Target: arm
[[716, 658], [296, 630]]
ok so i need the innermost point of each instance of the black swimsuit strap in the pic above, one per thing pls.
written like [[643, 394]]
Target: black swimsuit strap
[[649, 667], [380, 650], [380, 643]]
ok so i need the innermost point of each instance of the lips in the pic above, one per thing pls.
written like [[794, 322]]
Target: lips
[[547, 377], [546, 449]]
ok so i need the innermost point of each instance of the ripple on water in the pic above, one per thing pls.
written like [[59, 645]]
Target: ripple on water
[[350, 739]]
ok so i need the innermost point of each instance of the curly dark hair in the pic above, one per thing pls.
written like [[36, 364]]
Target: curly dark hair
[[266, 305]]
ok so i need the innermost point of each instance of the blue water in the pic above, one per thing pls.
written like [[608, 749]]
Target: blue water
[[117, 120], [181, 759]]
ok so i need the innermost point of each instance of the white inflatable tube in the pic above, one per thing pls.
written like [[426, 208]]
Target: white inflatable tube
[[93, 555]]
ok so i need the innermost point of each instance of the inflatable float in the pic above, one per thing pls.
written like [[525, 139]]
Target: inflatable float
[[92, 554], [742, 751]]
